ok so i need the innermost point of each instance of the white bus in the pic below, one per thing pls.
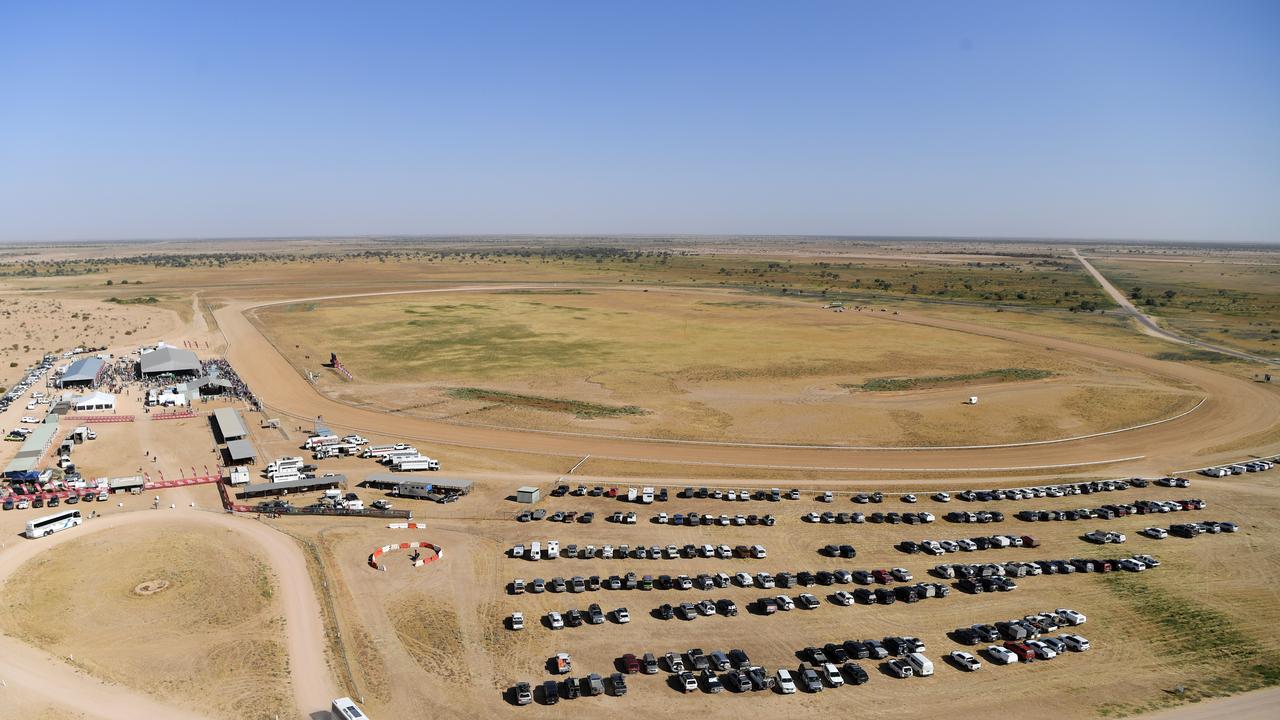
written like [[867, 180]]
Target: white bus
[[49, 524], [345, 709]]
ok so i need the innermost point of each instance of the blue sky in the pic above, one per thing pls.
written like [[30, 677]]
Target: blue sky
[[1080, 119]]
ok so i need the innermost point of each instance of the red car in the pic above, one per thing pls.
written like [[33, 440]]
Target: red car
[[1030, 542], [882, 576], [1024, 651], [630, 663]]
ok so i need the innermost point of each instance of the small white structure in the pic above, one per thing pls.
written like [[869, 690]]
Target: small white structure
[[239, 475], [94, 401], [973, 400]]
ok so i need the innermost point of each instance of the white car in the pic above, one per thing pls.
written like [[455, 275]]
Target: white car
[[1156, 533], [786, 685], [1074, 642], [1001, 655], [1043, 652], [29, 419], [967, 662], [831, 674], [843, 598], [1071, 616], [785, 602], [622, 616], [942, 497], [517, 621], [557, 622]]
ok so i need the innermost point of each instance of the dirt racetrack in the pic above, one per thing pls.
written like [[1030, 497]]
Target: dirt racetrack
[[41, 674], [1237, 417]]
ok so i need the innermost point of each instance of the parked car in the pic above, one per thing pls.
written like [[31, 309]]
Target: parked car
[[786, 685], [899, 668], [965, 661], [523, 693], [1001, 655]]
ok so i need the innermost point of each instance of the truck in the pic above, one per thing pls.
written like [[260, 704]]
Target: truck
[[316, 441]]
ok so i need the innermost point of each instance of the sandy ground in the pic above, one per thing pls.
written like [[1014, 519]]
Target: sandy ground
[[1256, 705], [38, 673], [431, 640]]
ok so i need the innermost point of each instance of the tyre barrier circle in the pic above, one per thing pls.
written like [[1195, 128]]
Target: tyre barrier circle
[[407, 526], [373, 557]]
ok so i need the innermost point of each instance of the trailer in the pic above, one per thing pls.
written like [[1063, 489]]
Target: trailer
[[378, 451], [419, 462], [390, 457], [316, 441]]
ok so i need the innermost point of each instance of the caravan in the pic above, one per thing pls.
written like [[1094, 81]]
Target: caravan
[[316, 441]]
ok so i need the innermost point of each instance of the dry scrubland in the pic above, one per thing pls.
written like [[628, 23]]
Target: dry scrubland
[[704, 366], [1229, 303], [185, 614]]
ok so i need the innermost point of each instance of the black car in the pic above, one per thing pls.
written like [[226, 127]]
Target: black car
[[856, 650], [726, 607], [853, 673], [571, 688], [739, 659], [586, 517], [835, 653], [550, 692]]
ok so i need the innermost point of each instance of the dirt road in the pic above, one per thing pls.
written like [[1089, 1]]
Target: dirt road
[[60, 684], [1256, 705], [1149, 326], [1234, 408]]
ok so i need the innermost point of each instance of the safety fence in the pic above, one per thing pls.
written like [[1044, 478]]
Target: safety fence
[[422, 560], [173, 415]]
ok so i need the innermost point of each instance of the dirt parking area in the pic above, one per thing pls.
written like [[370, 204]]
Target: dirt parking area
[[434, 637]]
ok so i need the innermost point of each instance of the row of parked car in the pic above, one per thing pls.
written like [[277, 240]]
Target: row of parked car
[[1136, 563], [551, 550], [891, 518], [593, 615], [1259, 465], [1027, 627], [1110, 512], [1211, 527], [694, 610], [694, 519], [1050, 491], [570, 689], [991, 542], [981, 517], [559, 516]]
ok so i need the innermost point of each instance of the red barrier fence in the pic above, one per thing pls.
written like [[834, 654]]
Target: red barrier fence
[[373, 557], [173, 415]]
